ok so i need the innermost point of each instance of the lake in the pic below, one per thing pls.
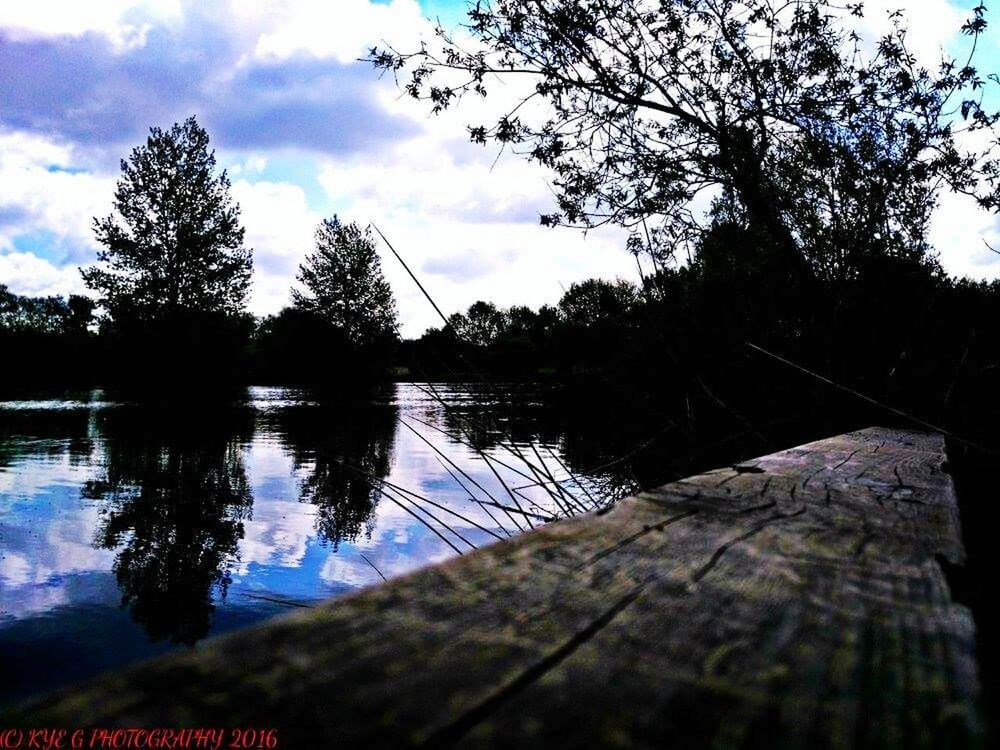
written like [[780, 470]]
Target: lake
[[127, 529]]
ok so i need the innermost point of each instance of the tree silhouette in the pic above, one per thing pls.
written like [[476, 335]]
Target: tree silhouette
[[40, 335], [343, 449], [639, 107], [345, 286], [595, 301], [175, 244], [45, 315], [173, 506], [481, 325]]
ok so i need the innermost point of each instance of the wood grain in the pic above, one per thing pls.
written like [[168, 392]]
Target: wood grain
[[792, 601]]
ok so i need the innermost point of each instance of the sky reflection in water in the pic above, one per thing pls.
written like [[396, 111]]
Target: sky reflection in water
[[128, 529]]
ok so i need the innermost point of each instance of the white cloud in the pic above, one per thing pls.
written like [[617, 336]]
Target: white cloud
[[932, 25], [466, 225], [525, 264], [959, 230], [123, 22], [42, 191], [26, 273], [251, 165], [343, 30], [279, 227]]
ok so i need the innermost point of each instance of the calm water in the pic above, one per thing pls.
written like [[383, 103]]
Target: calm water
[[128, 529]]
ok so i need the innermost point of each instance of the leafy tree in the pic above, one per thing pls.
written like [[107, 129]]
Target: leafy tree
[[596, 301], [46, 339], [480, 325], [44, 315], [834, 154], [345, 286], [175, 244], [521, 321]]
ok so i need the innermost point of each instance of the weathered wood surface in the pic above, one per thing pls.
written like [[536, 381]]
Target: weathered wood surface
[[792, 601]]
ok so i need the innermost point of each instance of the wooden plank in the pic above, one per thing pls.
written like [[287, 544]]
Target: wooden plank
[[792, 601]]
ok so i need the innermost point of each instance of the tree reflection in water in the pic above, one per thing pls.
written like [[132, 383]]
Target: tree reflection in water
[[339, 447], [174, 496]]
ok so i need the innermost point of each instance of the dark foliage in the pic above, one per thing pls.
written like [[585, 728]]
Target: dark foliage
[[174, 275], [899, 330], [342, 449], [342, 327], [344, 285], [175, 243], [834, 154], [301, 347], [174, 503], [578, 334], [45, 339]]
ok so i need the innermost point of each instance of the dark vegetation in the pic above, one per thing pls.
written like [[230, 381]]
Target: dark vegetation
[[173, 276], [808, 301], [342, 326], [825, 155], [171, 288], [41, 337]]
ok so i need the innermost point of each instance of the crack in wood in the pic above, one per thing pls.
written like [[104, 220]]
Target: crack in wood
[[850, 630], [463, 724], [469, 719], [728, 545], [851, 455], [633, 537]]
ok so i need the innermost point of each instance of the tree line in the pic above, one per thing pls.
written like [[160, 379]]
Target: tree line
[[171, 286], [824, 156]]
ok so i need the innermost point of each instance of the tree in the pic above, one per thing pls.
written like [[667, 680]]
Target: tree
[[773, 107], [45, 315], [175, 244], [480, 325], [596, 301], [46, 338], [345, 286]]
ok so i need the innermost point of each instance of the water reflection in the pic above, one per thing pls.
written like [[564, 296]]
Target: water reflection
[[126, 529], [173, 502], [487, 417], [341, 451]]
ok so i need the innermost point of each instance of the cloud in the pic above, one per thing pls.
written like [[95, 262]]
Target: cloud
[[468, 220], [932, 25], [279, 223], [462, 266], [509, 264], [340, 31], [87, 89], [84, 91], [279, 227], [76, 99], [308, 131], [26, 273], [46, 209], [121, 21], [960, 230], [440, 174], [303, 104]]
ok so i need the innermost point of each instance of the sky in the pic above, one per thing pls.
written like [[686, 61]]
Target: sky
[[306, 131]]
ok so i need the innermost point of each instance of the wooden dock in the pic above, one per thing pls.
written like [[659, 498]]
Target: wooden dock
[[795, 600]]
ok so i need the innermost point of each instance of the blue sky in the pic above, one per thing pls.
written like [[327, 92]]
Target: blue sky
[[306, 131]]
